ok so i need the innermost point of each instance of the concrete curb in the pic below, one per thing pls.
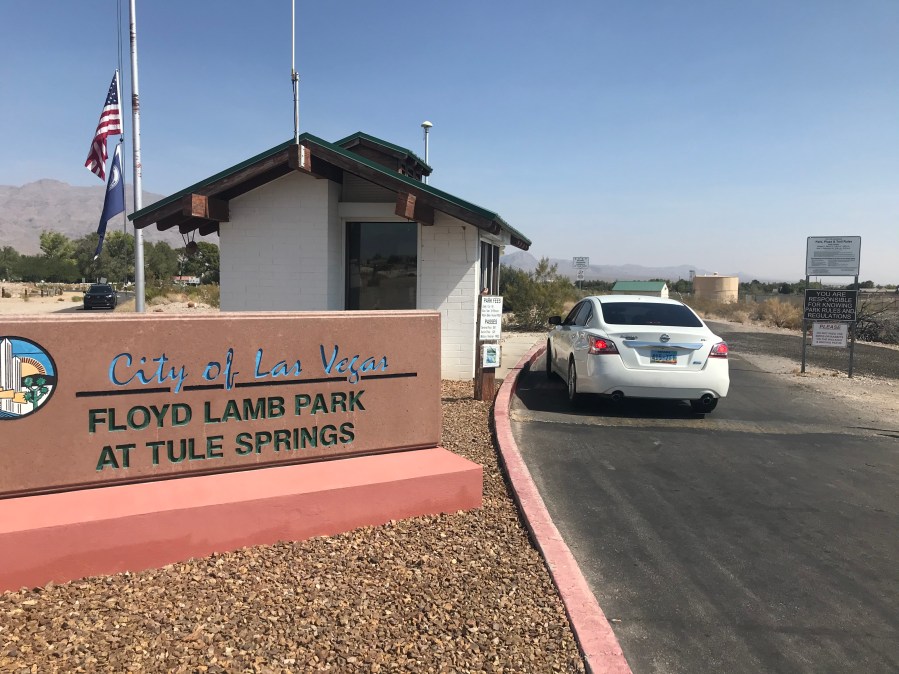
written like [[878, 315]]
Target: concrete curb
[[597, 641]]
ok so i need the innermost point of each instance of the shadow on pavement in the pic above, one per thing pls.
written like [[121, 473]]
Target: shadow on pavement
[[539, 393]]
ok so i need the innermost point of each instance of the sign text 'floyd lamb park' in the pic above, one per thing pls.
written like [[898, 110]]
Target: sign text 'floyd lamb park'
[[87, 403]]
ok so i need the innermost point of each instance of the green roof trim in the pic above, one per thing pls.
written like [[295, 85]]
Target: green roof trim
[[359, 135], [311, 141], [208, 181], [630, 286]]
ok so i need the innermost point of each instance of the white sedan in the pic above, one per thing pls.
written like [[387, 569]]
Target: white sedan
[[638, 346]]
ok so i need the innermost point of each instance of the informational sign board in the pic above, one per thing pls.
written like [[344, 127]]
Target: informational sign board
[[580, 262], [830, 305], [102, 400], [833, 255], [491, 325], [830, 334], [490, 355]]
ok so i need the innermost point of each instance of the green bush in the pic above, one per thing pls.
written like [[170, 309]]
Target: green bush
[[533, 297]]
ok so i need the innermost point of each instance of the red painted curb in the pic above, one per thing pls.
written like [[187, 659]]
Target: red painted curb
[[597, 641]]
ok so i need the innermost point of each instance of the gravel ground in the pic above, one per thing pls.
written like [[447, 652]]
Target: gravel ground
[[463, 592]]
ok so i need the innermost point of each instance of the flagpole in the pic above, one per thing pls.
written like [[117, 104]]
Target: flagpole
[[135, 139], [118, 93]]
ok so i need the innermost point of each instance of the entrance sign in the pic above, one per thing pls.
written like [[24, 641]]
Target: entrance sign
[[491, 323], [833, 255], [830, 334], [580, 262], [96, 401], [830, 305]]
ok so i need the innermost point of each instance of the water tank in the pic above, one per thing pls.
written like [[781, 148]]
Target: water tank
[[716, 288]]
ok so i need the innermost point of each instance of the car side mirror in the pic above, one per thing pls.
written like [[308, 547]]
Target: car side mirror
[[555, 320]]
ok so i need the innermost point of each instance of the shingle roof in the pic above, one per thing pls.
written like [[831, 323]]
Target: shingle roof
[[209, 185]]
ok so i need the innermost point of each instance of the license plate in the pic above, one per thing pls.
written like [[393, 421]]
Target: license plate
[[663, 356]]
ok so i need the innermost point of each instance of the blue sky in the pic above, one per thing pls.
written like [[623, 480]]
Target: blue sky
[[717, 134]]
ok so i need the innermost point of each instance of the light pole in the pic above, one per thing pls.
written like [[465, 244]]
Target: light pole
[[426, 125]]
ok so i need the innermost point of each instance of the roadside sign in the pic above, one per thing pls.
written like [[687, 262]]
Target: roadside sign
[[580, 274], [830, 305], [491, 318], [832, 255], [580, 262], [830, 334]]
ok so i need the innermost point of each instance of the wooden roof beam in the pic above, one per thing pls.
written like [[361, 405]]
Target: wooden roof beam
[[409, 207], [208, 208]]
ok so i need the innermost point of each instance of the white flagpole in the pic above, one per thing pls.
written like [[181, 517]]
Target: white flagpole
[[138, 200]]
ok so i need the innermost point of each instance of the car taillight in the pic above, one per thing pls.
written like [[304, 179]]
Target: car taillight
[[719, 350], [598, 345]]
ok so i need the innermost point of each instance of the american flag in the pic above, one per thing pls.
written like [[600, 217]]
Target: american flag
[[110, 124]]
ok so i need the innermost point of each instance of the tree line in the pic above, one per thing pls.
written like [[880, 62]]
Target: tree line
[[65, 260]]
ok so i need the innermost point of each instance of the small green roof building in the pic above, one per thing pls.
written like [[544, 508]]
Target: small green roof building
[[651, 288], [311, 225]]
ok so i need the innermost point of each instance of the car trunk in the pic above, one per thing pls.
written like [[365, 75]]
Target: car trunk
[[680, 349]]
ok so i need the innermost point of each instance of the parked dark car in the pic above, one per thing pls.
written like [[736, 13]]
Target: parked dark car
[[100, 296]]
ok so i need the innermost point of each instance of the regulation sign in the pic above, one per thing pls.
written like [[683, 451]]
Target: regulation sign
[[830, 305], [491, 317], [833, 255], [830, 334], [580, 262]]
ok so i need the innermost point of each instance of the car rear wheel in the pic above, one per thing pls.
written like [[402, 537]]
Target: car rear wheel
[[573, 395]]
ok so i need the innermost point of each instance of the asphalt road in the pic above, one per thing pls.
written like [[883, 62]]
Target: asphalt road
[[760, 538]]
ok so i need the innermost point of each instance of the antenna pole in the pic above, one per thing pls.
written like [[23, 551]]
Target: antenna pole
[[426, 125], [294, 75]]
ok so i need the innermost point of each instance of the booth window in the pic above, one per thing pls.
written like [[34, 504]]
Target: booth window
[[489, 268], [381, 265]]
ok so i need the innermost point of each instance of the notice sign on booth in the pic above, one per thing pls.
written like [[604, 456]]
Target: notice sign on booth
[[490, 355], [491, 318], [830, 334]]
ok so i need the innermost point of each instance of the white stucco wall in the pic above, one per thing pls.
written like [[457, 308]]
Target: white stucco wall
[[283, 250], [276, 249], [448, 276]]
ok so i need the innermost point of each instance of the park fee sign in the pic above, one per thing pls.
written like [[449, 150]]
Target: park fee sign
[[123, 398]]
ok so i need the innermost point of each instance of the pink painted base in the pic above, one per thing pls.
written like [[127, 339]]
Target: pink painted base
[[61, 537]]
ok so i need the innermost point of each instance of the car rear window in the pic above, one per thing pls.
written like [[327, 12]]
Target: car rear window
[[649, 313]]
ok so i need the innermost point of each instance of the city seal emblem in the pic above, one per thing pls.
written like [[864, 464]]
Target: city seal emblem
[[27, 377]]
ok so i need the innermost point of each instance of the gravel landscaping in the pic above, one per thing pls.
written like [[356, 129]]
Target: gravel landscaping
[[462, 592]]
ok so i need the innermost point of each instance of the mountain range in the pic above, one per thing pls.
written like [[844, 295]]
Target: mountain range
[[51, 205], [625, 272]]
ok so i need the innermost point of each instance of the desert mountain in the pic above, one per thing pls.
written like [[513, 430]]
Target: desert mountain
[[50, 205], [603, 272]]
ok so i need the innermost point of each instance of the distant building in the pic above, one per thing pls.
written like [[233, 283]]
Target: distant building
[[651, 288], [716, 288]]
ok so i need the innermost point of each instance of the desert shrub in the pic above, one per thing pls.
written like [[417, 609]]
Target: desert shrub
[[779, 314], [208, 293]]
